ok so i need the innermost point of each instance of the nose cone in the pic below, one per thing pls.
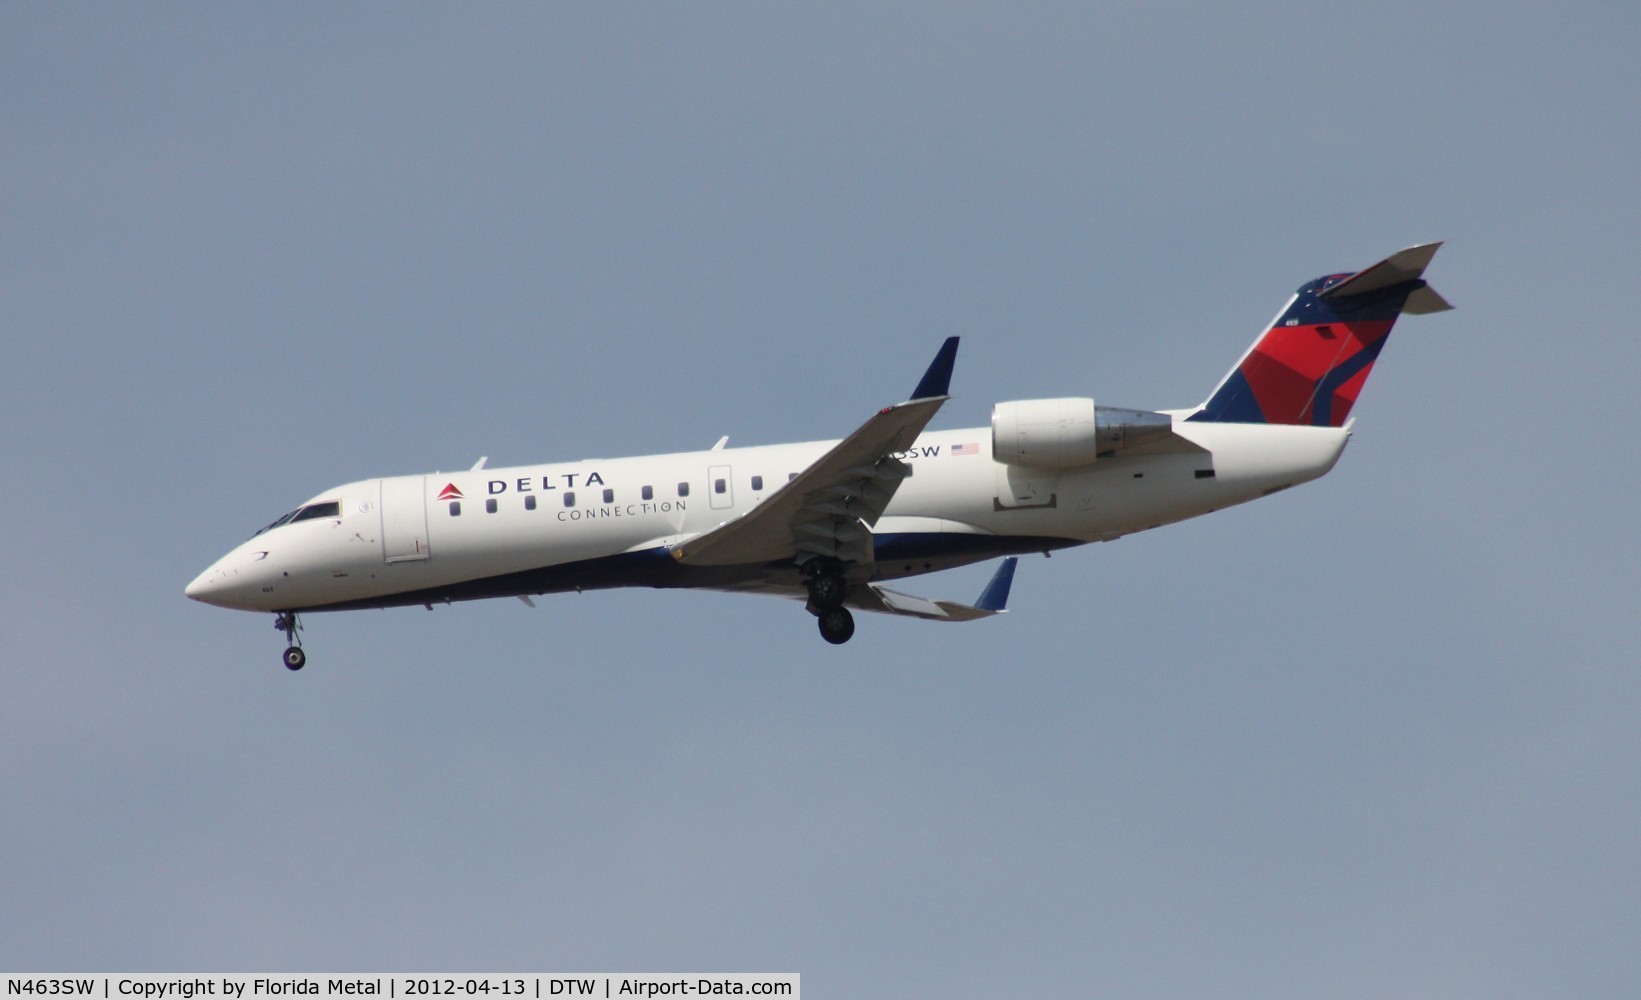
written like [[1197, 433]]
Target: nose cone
[[207, 585], [234, 581]]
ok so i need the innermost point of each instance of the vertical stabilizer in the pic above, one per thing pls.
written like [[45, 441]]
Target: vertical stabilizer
[[1310, 366]]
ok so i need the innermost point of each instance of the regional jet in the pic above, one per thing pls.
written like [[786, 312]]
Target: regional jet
[[832, 523]]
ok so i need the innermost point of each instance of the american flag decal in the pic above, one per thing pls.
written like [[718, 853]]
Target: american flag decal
[[965, 449]]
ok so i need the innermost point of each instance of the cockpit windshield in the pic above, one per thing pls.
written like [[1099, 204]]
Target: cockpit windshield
[[328, 508], [284, 520]]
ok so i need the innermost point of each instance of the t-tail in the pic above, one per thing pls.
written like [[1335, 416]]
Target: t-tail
[[1310, 366]]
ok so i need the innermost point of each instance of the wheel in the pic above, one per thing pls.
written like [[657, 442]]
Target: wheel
[[837, 625], [827, 590], [295, 659]]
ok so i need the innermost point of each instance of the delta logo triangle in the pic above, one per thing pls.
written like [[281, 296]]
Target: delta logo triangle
[[451, 493]]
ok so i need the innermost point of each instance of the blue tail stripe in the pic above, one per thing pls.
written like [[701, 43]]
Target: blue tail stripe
[[1322, 410]]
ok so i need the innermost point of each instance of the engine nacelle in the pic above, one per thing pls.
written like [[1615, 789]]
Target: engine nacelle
[[1069, 433], [1044, 433]]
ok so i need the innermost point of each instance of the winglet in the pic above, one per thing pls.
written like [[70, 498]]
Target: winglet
[[996, 595], [939, 376]]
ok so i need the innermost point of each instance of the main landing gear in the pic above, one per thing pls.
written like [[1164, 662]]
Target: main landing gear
[[827, 590], [837, 626], [286, 622]]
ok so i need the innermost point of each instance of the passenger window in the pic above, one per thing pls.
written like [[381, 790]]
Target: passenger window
[[490, 506], [719, 486], [529, 501], [609, 496], [569, 499], [791, 476], [455, 508], [648, 493], [757, 482], [683, 489]]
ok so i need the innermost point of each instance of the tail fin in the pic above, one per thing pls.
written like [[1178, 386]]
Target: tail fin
[[1310, 366]]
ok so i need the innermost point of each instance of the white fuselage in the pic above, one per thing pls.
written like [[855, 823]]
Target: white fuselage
[[612, 522]]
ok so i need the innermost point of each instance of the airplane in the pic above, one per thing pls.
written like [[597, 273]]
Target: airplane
[[830, 523]]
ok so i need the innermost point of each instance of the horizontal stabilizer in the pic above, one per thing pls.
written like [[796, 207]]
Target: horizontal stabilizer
[[1425, 301], [1399, 268]]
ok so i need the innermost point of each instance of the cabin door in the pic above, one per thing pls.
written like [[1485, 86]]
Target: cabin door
[[404, 519]]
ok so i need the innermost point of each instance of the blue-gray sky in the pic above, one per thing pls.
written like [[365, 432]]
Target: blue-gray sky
[[1372, 737]]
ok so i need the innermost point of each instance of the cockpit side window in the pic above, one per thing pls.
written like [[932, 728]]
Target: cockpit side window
[[332, 508]]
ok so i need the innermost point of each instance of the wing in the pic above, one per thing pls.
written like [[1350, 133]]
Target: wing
[[993, 600], [828, 510]]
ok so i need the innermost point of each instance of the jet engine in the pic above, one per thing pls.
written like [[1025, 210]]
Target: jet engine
[[1069, 433]]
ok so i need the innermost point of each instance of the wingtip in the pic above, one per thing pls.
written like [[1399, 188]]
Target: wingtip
[[995, 597], [938, 379]]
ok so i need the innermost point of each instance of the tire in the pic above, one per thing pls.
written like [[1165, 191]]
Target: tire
[[295, 659], [827, 591], [837, 626]]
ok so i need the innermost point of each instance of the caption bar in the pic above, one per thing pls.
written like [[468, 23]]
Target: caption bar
[[489, 986]]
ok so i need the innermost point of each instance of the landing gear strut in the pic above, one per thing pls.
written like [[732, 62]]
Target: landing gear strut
[[827, 591], [286, 622]]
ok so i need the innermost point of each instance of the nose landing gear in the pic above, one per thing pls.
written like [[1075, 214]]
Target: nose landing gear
[[286, 622]]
